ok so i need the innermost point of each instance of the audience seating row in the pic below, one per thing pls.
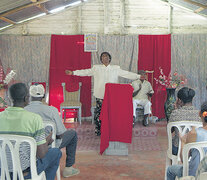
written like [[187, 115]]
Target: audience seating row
[[13, 142]]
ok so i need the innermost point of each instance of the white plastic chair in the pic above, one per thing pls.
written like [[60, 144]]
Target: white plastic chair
[[203, 176], [13, 143], [183, 127], [186, 149], [52, 125]]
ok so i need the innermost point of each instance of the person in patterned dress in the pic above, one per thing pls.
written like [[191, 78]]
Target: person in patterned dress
[[185, 111]]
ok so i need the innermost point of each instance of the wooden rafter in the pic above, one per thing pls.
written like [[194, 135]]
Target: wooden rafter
[[196, 3], [23, 7], [7, 20], [42, 7], [199, 9]]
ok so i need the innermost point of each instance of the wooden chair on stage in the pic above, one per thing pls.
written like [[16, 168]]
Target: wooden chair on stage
[[71, 102]]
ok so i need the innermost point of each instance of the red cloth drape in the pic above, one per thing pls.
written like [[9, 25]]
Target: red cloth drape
[[155, 52], [116, 115], [67, 52]]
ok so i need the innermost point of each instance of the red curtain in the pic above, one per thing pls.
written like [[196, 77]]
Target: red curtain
[[155, 52], [67, 52]]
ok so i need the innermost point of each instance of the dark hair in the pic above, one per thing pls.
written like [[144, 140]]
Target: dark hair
[[18, 92], [186, 94], [141, 72], [203, 109], [107, 54]]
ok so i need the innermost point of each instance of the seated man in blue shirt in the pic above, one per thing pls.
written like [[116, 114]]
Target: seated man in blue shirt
[[66, 138]]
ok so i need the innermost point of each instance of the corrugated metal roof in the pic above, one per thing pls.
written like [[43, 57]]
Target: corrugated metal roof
[[184, 4], [24, 14], [57, 3], [14, 11], [3, 23], [7, 5]]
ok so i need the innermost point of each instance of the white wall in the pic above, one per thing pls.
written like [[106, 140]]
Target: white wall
[[116, 17]]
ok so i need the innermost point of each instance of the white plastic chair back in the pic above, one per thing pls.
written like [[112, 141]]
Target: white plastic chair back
[[187, 147], [13, 143], [183, 128], [52, 125], [203, 176]]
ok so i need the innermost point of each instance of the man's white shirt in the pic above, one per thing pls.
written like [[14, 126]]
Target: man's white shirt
[[105, 74], [145, 89]]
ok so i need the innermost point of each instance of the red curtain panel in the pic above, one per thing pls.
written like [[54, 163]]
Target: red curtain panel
[[155, 52], [67, 52]]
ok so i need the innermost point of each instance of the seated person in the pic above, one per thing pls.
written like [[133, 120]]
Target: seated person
[[15, 120], [202, 166], [68, 138], [195, 135], [185, 111], [142, 91]]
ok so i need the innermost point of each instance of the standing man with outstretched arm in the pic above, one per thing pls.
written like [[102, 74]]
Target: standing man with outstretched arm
[[103, 73]]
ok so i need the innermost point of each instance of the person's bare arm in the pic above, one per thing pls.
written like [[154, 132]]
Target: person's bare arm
[[183, 142], [137, 91], [68, 72], [149, 95], [43, 148], [49, 139], [187, 138]]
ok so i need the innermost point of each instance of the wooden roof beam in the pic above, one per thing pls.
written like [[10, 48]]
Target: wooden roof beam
[[7, 20], [42, 7], [196, 4], [23, 7], [199, 9]]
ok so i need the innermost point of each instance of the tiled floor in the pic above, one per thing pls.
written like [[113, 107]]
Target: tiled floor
[[138, 165]]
